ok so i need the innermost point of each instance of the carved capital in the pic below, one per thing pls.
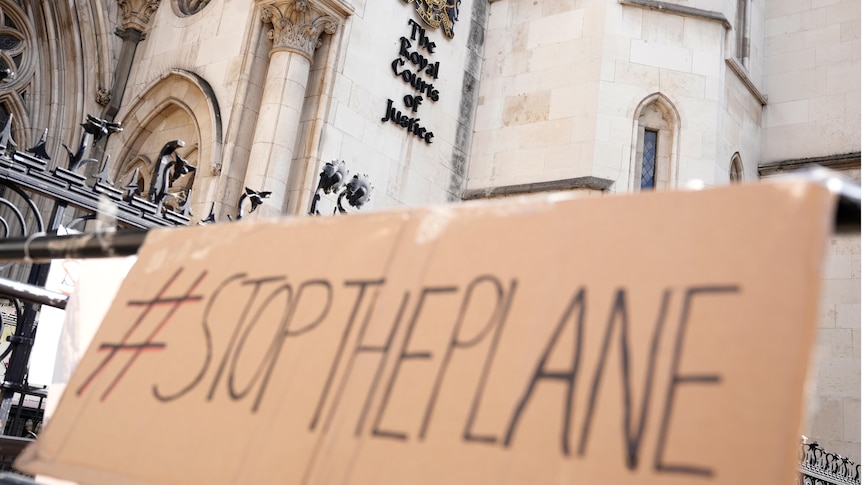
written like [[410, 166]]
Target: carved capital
[[137, 13], [103, 96], [296, 25]]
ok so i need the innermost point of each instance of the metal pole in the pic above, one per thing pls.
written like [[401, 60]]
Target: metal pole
[[25, 332], [36, 294], [91, 245], [22, 344]]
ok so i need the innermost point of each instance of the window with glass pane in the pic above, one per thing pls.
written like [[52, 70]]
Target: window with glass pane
[[648, 163]]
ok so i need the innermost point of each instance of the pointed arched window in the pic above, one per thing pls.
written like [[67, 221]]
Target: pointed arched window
[[735, 173], [654, 162]]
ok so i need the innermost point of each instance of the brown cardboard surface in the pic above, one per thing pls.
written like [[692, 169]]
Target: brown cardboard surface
[[659, 338]]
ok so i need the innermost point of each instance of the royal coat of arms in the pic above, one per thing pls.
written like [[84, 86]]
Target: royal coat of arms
[[438, 13]]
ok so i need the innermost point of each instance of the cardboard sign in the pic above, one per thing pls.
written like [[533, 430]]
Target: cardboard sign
[[652, 339]]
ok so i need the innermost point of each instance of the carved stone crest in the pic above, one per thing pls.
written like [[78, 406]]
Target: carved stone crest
[[438, 13]]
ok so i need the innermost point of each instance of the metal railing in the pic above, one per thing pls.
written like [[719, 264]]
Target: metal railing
[[820, 467], [35, 201]]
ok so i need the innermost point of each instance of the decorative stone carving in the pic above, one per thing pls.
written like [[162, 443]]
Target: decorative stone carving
[[103, 96], [17, 48], [297, 25], [137, 13], [191, 7], [439, 13]]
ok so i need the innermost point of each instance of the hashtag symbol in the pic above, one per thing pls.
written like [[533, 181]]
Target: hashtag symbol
[[148, 344]]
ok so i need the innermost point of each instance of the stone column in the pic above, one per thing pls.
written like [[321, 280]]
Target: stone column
[[136, 17], [296, 26], [136, 20]]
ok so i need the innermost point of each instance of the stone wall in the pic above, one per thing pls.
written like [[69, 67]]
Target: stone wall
[[834, 406], [812, 80], [564, 82], [812, 56], [343, 115], [403, 168], [834, 390]]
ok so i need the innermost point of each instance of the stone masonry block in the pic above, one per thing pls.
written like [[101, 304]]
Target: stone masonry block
[[835, 342], [788, 7], [534, 135], [561, 158], [703, 36], [487, 116], [838, 266], [637, 75], [661, 55], [840, 12], [797, 22], [681, 84], [707, 64], [838, 377], [857, 343], [663, 28], [847, 315], [784, 43], [791, 61], [844, 245], [498, 15], [802, 84], [837, 52], [552, 7], [526, 11], [631, 22], [851, 419], [349, 121], [841, 291], [788, 113], [843, 77], [827, 316], [566, 101], [369, 106], [822, 36], [556, 28], [521, 162], [849, 31], [827, 419], [823, 3], [574, 51], [826, 107]]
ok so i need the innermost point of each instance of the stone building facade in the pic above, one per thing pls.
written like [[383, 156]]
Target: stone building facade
[[439, 101]]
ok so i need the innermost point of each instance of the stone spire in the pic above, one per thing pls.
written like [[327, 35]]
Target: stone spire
[[137, 13], [298, 24]]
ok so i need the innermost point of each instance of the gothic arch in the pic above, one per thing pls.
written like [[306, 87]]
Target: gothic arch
[[11, 103], [19, 54], [179, 105], [19, 50], [736, 174], [658, 115], [43, 44]]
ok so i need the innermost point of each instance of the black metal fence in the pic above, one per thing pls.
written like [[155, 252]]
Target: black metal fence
[[820, 467], [36, 200]]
